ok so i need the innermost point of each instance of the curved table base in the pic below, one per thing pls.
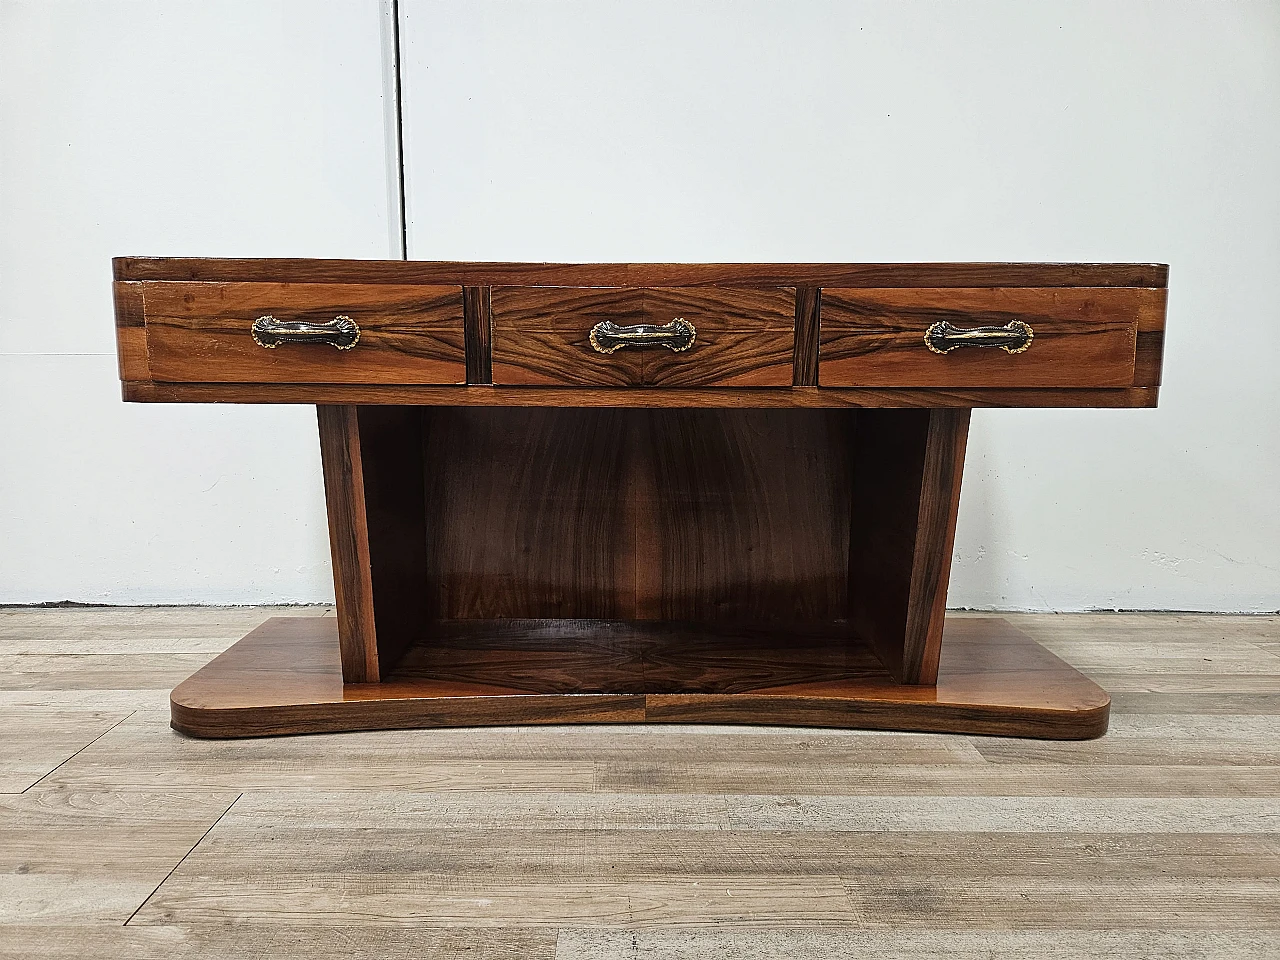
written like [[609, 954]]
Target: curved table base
[[285, 678]]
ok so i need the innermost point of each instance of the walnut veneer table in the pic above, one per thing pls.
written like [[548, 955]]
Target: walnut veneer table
[[621, 493]]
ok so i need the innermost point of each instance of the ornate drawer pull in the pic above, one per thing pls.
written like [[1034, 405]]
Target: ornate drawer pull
[[340, 332], [677, 336], [1014, 337]]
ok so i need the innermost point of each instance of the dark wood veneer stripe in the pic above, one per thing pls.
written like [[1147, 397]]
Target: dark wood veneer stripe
[[477, 318], [808, 311], [1149, 358]]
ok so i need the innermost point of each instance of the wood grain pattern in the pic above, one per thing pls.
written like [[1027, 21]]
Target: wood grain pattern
[[1157, 841], [357, 940], [89, 859], [131, 334], [286, 677], [743, 515], [37, 740], [478, 318], [375, 495], [1149, 358], [638, 397], [395, 514], [1083, 337], [940, 479], [97, 672], [808, 312], [888, 462], [344, 496], [708, 515], [199, 332], [906, 492], [744, 336], [642, 535], [529, 513], [646, 274]]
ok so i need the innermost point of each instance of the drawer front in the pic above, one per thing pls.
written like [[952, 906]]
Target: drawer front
[[741, 337], [203, 333], [1026, 337]]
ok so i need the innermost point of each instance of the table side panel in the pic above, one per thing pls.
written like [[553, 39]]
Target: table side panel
[[131, 331]]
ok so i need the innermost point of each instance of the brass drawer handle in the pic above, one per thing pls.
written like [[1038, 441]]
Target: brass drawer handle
[[340, 332], [1014, 337], [677, 336]]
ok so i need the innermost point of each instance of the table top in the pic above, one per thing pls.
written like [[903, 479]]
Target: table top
[[1150, 275]]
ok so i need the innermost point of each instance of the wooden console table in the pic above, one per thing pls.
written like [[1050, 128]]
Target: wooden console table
[[624, 493]]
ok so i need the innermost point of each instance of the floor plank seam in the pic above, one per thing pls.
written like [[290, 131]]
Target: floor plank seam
[[77, 753], [217, 820]]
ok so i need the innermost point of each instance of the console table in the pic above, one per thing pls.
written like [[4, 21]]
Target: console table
[[570, 493]]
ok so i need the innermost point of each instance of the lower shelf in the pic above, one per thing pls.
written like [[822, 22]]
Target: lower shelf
[[285, 677]]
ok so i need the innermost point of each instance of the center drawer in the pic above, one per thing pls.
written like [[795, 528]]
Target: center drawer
[[643, 336]]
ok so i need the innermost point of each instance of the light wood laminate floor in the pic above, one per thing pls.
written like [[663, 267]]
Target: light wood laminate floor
[[121, 838]]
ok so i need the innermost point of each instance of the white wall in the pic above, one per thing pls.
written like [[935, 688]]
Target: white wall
[[657, 130], [844, 131], [184, 127]]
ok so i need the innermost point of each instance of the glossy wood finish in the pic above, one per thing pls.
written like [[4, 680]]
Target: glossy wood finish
[[531, 513], [944, 450], [478, 320], [744, 336], [708, 515], [1083, 337], [717, 565], [373, 473], [1150, 348], [396, 515], [285, 677], [649, 534], [857, 328], [647, 274], [637, 657], [199, 332], [636, 397], [131, 332], [341, 460], [905, 496], [805, 372]]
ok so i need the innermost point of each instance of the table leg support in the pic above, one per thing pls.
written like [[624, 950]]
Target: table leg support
[[907, 466], [373, 482]]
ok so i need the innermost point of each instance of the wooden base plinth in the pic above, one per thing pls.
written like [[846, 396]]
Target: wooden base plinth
[[286, 677]]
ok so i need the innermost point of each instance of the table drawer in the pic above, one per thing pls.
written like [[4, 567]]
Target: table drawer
[[290, 333], [982, 337], [643, 336]]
